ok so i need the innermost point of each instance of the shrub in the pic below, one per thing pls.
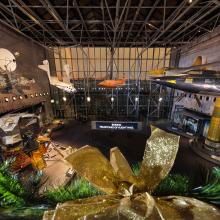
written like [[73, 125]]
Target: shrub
[[79, 188], [210, 192]]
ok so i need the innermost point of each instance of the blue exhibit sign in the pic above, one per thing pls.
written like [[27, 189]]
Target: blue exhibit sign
[[116, 125]]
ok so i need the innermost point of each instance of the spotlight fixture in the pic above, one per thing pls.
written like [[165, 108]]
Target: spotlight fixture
[[52, 100], [20, 97], [64, 98], [88, 99], [7, 99], [40, 94], [44, 93], [32, 96], [136, 99], [112, 99], [47, 93], [14, 98], [190, 1], [160, 99], [36, 95]]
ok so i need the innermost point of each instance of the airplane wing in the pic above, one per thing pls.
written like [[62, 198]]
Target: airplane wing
[[66, 74], [195, 74], [206, 89]]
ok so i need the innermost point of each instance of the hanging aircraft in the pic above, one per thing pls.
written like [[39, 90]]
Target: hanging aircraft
[[197, 65], [187, 86], [66, 85], [112, 83]]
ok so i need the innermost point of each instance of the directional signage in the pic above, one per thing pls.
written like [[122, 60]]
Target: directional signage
[[116, 125]]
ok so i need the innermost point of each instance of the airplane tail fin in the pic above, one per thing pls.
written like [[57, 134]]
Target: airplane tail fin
[[66, 75], [206, 63], [156, 72], [45, 67], [198, 61]]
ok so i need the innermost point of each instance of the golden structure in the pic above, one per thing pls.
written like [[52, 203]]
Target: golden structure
[[127, 196], [213, 138]]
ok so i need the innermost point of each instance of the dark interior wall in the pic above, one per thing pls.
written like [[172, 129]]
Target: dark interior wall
[[207, 46], [31, 55]]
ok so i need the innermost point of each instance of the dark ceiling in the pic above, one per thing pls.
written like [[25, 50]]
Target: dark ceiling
[[117, 23]]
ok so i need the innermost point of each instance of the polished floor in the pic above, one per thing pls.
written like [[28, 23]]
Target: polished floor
[[132, 145]]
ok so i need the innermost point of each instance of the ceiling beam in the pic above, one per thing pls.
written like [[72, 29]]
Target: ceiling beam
[[35, 18], [110, 7], [56, 16], [82, 19], [146, 20], [98, 21], [190, 22], [175, 16], [120, 34], [134, 19], [23, 22], [198, 28]]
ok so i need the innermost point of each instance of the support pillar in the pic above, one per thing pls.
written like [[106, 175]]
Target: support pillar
[[213, 139]]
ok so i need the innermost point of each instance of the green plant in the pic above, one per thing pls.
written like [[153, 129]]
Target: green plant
[[173, 184], [210, 192], [11, 190], [79, 188], [135, 168]]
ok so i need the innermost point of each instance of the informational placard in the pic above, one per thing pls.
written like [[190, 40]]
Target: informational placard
[[116, 125]]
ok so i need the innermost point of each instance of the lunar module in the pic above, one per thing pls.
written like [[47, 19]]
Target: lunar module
[[21, 142]]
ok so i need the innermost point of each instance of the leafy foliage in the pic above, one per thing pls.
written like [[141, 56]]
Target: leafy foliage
[[136, 168], [210, 192], [79, 188], [11, 191], [23, 213], [174, 184]]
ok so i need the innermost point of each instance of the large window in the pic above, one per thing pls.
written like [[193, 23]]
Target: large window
[[97, 62]]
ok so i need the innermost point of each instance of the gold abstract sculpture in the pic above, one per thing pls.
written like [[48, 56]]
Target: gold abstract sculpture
[[128, 196]]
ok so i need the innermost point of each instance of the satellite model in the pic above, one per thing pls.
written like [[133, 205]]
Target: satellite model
[[16, 90], [7, 60]]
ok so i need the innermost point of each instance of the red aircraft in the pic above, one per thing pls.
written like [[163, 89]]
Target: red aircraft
[[112, 83]]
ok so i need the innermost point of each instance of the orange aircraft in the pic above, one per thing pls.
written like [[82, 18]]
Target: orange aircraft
[[112, 83]]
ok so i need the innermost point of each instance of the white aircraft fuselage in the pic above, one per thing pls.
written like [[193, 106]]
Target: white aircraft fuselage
[[67, 87]]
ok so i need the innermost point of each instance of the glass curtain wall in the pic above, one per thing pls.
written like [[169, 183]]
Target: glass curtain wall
[[97, 62]]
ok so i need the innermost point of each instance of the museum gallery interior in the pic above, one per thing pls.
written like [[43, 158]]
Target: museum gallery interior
[[110, 109]]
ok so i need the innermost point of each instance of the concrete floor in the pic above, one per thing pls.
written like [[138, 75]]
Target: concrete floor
[[132, 145]]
